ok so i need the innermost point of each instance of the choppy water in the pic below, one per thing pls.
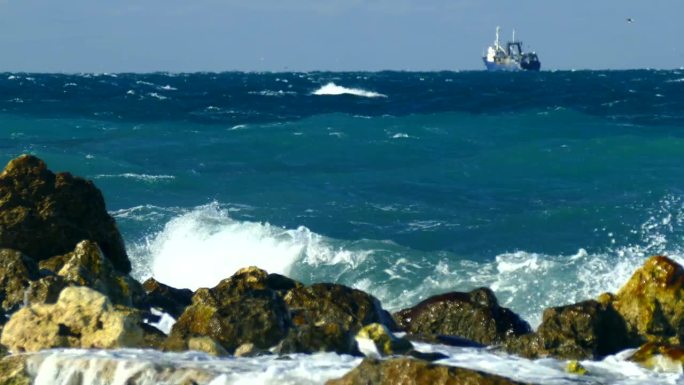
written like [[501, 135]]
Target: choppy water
[[548, 188]]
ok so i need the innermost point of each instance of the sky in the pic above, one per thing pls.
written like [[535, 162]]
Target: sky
[[332, 35]]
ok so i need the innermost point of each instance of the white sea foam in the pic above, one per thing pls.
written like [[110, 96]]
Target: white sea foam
[[157, 96], [151, 367], [140, 177], [272, 93], [168, 88], [333, 89]]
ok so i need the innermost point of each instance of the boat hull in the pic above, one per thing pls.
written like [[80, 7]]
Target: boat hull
[[502, 67]]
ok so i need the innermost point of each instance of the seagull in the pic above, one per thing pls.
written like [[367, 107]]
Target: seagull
[[630, 20]]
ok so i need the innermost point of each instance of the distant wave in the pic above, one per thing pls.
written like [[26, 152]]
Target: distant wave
[[334, 89], [141, 177]]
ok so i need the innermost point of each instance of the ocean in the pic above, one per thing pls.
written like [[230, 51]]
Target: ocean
[[548, 187]]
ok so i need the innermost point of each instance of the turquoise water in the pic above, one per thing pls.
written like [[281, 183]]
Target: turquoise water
[[548, 187]]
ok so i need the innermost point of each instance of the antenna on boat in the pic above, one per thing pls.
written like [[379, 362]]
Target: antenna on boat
[[513, 35], [496, 43]]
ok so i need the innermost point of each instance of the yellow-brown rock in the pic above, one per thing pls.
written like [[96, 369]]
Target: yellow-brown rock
[[386, 344], [652, 301], [81, 318], [663, 357], [13, 370]]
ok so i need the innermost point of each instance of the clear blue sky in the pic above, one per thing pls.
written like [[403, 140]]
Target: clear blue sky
[[277, 35]]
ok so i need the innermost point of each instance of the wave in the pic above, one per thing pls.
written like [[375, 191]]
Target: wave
[[333, 89], [140, 177], [201, 246]]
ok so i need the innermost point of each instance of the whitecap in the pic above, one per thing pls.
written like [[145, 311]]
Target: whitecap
[[156, 95], [141, 177], [333, 89]]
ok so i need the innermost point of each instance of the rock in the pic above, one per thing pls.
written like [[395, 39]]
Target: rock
[[170, 300], [660, 356], [43, 214], [45, 290], [574, 367], [583, 330], [207, 345], [322, 337], [81, 318], [652, 301], [475, 316], [16, 273], [243, 308], [408, 371], [13, 370], [333, 303], [385, 343], [87, 266], [246, 350]]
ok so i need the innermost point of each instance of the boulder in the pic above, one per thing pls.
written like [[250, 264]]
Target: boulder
[[81, 318], [87, 266], [475, 316], [16, 273], [660, 356], [207, 345], [408, 371], [43, 214], [166, 298], [244, 308], [333, 303], [588, 329], [322, 337], [652, 302], [383, 341]]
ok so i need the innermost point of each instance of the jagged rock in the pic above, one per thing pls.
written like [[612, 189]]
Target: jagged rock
[[385, 343], [333, 303], [13, 370], [243, 308], [475, 316], [45, 290], [170, 300], [81, 318], [652, 301], [583, 330], [660, 356], [87, 266], [16, 273], [408, 371], [322, 337], [43, 214], [246, 350]]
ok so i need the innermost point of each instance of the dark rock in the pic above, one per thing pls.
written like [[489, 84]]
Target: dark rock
[[46, 290], [408, 371], [430, 356], [660, 356], [326, 337], [16, 273], [476, 316], [170, 300], [240, 309], [588, 329], [333, 303], [43, 214]]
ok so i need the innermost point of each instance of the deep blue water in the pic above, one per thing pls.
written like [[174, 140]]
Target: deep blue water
[[548, 187]]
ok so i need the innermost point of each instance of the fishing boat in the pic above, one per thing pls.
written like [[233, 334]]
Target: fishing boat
[[510, 57]]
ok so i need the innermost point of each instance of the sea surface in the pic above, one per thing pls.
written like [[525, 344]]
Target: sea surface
[[548, 187]]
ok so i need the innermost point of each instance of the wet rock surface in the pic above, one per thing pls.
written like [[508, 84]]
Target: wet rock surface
[[475, 316], [170, 300], [407, 371], [584, 330]]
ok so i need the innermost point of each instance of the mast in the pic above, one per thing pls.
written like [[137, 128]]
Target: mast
[[513, 35], [496, 42]]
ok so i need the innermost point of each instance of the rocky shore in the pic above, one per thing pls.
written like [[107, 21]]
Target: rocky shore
[[65, 283]]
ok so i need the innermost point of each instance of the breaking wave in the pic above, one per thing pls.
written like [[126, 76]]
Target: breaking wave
[[334, 89]]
